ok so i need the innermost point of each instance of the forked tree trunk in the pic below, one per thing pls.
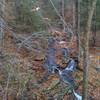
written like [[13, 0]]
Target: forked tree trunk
[[86, 50]]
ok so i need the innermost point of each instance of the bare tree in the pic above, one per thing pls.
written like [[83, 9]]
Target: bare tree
[[86, 49]]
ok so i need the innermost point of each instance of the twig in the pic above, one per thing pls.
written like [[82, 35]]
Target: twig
[[29, 38]]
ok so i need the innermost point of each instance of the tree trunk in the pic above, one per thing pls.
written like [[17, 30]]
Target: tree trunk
[[94, 31], [17, 7], [86, 50], [63, 13], [2, 7], [74, 15], [77, 26]]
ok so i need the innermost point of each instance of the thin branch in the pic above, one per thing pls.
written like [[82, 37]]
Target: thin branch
[[6, 90], [57, 12]]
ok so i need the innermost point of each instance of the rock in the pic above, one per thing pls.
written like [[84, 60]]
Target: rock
[[97, 69]]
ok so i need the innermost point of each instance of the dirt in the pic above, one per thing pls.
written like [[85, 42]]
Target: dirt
[[26, 68]]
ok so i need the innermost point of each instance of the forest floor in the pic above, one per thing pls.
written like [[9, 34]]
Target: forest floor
[[20, 70]]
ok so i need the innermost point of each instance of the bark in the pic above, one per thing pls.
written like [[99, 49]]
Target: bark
[[17, 6], [77, 26], [74, 14], [63, 13], [86, 50], [94, 31], [2, 8]]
